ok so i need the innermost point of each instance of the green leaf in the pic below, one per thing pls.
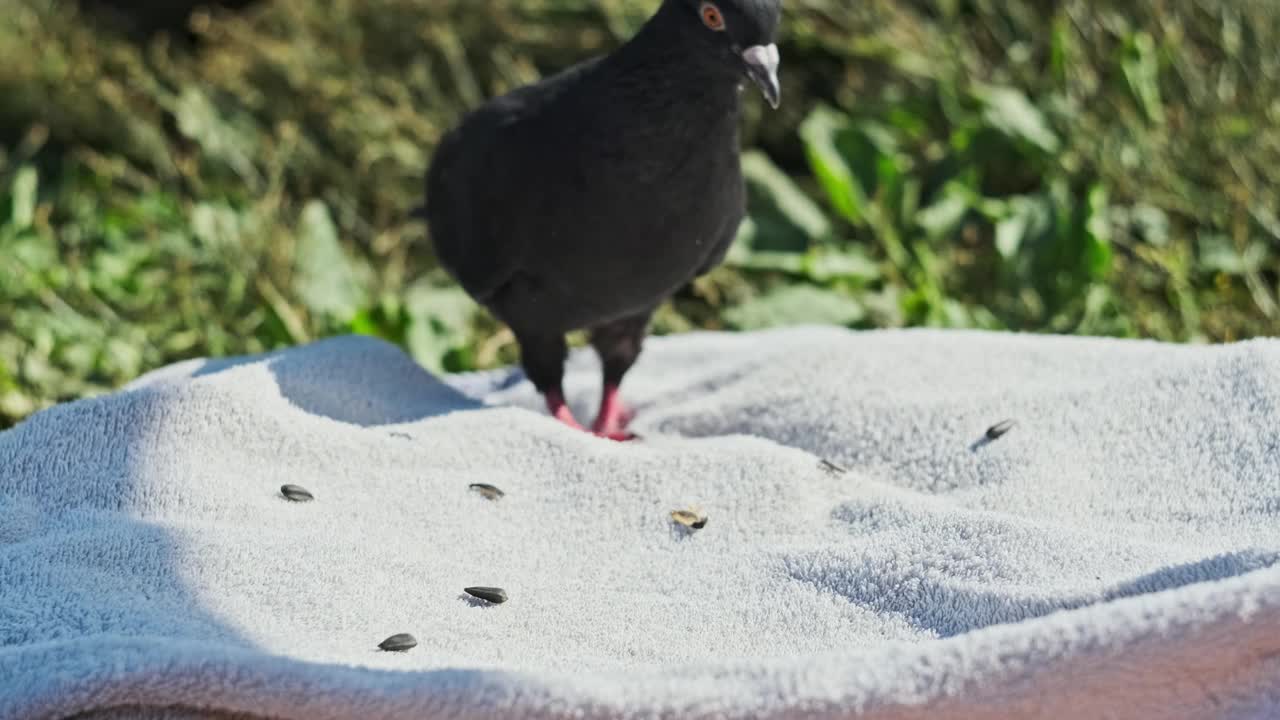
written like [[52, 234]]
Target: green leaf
[[1151, 222], [819, 134], [783, 197], [1010, 233], [328, 281], [795, 305], [1027, 217], [25, 186], [1098, 251], [439, 323], [744, 257], [821, 264], [1008, 110], [215, 225], [843, 263], [944, 216], [200, 119], [1142, 72], [1219, 254]]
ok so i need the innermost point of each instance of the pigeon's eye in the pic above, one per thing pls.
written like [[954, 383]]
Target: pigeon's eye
[[712, 17]]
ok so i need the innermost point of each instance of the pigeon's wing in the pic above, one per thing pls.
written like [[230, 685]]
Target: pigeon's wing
[[466, 211], [728, 233], [486, 181]]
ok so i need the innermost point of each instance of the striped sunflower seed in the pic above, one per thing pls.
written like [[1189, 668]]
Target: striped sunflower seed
[[296, 493], [490, 594]]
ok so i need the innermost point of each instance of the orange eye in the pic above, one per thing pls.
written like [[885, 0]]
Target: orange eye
[[711, 17]]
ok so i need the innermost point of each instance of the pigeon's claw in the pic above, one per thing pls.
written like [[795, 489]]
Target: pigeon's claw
[[559, 410], [614, 415], [610, 426], [617, 436]]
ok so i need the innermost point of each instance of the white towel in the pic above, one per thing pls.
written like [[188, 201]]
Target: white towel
[[1113, 555]]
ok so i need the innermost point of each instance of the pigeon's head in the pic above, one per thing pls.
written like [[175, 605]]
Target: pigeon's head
[[741, 34]]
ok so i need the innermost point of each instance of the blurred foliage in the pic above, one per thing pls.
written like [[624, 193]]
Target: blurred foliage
[[1076, 166]]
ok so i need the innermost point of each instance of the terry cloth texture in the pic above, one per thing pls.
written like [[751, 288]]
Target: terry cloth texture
[[1112, 555]]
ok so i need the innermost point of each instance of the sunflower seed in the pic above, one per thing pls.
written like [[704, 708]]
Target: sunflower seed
[[831, 467], [997, 431], [688, 518], [492, 594], [296, 493], [399, 643], [490, 492]]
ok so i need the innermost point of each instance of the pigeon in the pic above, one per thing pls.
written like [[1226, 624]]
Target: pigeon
[[583, 201]]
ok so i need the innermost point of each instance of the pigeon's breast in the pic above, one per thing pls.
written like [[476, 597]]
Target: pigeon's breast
[[629, 230]]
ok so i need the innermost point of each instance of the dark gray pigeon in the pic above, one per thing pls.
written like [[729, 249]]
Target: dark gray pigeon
[[585, 200]]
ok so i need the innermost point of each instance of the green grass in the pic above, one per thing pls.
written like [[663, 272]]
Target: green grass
[[1105, 168]]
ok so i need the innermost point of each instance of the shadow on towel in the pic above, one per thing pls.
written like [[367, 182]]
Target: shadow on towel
[[329, 378]]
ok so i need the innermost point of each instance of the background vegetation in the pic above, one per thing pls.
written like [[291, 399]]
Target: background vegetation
[[240, 180]]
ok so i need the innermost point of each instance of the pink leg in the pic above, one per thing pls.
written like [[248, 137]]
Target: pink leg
[[614, 415], [559, 409]]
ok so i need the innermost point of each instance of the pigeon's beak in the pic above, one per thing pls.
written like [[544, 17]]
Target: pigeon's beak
[[762, 66]]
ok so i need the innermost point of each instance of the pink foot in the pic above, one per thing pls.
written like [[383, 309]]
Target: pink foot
[[614, 416], [559, 409]]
